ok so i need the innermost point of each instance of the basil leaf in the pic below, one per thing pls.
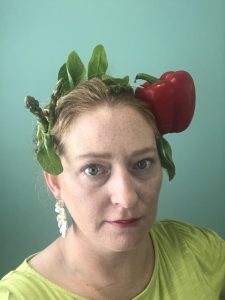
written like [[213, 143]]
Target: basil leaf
[[47, 157], [115, 81], [75, 70], [165, 155], [98, 63], [64, 76]]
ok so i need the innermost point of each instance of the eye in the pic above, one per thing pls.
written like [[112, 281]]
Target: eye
[[94, 170], [143, 164]]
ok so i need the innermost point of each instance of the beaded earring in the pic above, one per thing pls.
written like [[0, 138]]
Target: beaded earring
[[61, 217]]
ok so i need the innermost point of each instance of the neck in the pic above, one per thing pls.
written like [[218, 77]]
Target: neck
[[135, 265]]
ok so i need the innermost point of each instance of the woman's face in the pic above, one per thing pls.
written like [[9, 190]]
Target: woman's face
[[112, 177]]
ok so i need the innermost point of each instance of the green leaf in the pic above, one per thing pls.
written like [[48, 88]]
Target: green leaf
[[75, 70], [117, 85], [115, 81], [47, 157], [98, 63], [165, 155], [62, 74]]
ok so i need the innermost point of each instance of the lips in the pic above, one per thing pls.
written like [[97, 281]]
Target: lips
[[125, 222]]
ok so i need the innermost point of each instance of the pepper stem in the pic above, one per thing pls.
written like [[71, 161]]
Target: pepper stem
[[146, 77]]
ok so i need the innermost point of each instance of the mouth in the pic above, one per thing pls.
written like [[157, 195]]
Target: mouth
[[124, 223]]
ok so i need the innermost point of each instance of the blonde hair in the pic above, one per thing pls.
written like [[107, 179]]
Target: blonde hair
[[88, 96]]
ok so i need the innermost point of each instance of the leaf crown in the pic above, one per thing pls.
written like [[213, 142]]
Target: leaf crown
[[70, 75]]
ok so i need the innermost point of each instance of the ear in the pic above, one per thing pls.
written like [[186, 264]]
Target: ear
[[53, 184]]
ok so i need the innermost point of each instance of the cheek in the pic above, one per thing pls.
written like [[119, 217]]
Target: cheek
[[151, 199], [84, 202], [150, 194], [158, 178], [153, 185]]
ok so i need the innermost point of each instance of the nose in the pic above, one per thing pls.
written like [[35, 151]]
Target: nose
[[123, 189]]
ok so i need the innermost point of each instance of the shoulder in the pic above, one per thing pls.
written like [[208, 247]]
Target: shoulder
[[193, 248], [201, 247], [190, 242], [26, 283], [23, 283], [16, 284], [188, 233]]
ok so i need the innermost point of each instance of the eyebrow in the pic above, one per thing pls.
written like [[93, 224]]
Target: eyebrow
[[107, 155]]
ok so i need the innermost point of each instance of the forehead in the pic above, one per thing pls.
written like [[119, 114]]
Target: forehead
[[119, 128]]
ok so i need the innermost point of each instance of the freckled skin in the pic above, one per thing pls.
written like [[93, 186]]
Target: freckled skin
[[121, 190]]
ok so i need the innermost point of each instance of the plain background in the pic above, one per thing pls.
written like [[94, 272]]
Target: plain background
[[151, 36]]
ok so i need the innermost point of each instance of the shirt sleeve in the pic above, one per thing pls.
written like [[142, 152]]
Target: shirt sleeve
[[208, 250], [5, 294]]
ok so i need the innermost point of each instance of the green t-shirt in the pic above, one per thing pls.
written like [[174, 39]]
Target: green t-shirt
[[189, 265]]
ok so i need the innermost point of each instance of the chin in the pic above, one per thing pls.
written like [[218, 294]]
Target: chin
[[126, 240], [127, 245]]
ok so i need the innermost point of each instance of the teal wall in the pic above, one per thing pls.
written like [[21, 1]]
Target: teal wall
[[150, 36]]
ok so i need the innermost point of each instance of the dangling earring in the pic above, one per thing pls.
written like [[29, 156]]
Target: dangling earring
[[61, 217]]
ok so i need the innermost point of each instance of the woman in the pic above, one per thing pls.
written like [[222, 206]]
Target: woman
[[109, 180]]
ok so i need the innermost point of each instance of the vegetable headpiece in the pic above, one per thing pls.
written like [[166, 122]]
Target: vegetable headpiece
[[171, 99]]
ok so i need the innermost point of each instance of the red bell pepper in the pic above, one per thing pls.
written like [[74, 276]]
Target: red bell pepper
[[171, 99]]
